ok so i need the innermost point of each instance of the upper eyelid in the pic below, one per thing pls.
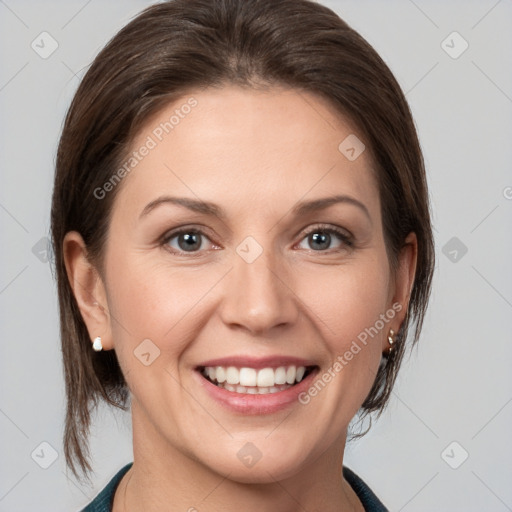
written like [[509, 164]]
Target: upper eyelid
[[322, 226], [184, 229], [326, 227]]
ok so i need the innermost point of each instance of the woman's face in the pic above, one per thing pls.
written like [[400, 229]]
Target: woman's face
[[274, 272]]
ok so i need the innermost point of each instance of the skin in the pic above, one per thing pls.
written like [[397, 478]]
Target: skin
[[256, 154]]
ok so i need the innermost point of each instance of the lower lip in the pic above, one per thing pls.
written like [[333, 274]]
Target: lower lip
[[245, 403]]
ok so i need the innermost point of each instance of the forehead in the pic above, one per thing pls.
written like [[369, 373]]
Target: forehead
[[235, 145]]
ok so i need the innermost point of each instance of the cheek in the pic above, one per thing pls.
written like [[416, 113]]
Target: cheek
[[153, 302], [348, 304], [346, 299], [150, 300]]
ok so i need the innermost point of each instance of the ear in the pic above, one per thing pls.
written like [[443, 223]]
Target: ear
[[404, 281], [88, 289]]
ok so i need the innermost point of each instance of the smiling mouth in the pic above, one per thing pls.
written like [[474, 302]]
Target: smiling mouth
[[253, 381]]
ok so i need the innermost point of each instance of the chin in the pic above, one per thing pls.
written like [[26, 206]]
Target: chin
[[249, 465]]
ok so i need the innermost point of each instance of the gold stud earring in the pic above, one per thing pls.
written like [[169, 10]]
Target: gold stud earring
[[391, 341]]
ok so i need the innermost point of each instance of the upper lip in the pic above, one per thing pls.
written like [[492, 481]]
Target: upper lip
[[240, 361]]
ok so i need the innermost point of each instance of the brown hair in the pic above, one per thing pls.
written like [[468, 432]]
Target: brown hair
[[165, 52]]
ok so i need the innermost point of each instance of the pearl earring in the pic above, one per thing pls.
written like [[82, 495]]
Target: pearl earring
[[97, 346]]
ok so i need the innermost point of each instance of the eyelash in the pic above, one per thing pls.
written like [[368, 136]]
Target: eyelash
[[346, 239]]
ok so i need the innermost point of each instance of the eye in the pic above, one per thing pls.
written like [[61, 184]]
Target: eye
[[321, 237], [187, 240]]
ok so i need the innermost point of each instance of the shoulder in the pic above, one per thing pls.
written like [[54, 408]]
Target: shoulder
[[103, 501], [367, 497]]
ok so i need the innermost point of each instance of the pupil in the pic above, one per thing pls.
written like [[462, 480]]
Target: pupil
[[321, 238], [191, 241]]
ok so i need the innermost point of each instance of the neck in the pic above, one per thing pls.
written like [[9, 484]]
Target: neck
[[163, 478]]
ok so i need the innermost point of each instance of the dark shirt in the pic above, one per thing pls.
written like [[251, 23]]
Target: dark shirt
[[104, 500]]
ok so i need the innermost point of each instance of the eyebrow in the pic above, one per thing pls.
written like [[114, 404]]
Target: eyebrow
[[323, 203], [208, 208], [203, 207]]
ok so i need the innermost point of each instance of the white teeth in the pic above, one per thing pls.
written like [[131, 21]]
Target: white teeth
[[252, 381], [254, 390], [266, 377], [232, 375], [291, 373], [220, 374], [248, 377], [280, 375]]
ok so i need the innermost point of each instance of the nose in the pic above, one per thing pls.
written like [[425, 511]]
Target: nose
[[258, 296]]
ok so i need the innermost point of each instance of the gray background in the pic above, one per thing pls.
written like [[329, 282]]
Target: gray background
[[455, 387]]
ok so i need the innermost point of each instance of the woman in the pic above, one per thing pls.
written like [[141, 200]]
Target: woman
[[242, 236]]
